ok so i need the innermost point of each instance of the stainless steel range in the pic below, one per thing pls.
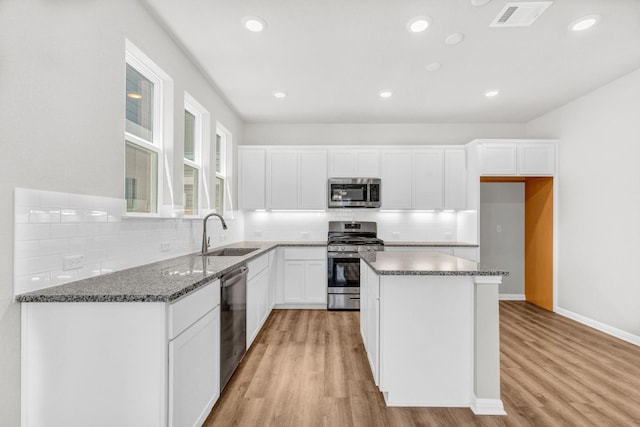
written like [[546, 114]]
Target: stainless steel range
[[346, 240]]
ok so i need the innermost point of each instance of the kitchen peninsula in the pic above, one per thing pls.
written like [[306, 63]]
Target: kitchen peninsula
[[430, 325]]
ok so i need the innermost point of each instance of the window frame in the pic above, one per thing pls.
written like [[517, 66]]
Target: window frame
[[195, 108], [145, 66], [226, 139]]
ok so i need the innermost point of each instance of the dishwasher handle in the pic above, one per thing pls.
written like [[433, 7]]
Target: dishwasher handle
[[233, 277]]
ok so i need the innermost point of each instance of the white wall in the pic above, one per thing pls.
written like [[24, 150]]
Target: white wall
[[502, 233], [62, 105], [599, 200], [377, 133]]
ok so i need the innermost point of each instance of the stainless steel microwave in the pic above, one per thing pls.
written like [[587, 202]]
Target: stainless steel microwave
[[354, 193]]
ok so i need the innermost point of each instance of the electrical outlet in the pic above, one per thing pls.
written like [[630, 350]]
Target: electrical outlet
[[72, 262], [165, 246]]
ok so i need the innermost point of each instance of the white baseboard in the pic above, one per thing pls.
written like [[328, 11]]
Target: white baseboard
[[511, 297], [486, 406], [602, 327]]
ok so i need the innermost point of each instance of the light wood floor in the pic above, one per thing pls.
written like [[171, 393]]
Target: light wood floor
[[308, 368]]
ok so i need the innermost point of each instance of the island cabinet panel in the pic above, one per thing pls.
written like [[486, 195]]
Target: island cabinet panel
[[251, 178], [370, 317], [349, 163], [426, 340]]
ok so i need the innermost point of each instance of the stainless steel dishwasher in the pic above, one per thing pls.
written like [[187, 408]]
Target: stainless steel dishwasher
[[233, 322]]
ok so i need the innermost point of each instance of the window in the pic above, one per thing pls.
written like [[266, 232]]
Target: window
[[192, 177], [143, 133], [223, 139]]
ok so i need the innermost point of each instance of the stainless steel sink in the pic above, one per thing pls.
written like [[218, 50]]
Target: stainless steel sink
[[230, 252]]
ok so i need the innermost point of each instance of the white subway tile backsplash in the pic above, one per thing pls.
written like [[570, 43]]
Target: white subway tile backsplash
[[52, 225], [32, 231], [54, 246], [64, 231], [72, 215], [44, 263]]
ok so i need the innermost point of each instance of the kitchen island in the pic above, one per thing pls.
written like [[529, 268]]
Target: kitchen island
[[430, 325]]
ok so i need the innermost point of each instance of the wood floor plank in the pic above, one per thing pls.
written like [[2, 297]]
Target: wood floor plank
[[309, 368]]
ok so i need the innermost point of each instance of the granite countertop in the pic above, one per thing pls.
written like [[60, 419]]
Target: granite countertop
[[401, 263], [430, 244], [162, 281]]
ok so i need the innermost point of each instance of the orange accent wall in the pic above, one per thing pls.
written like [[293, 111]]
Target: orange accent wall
[[538, 242]]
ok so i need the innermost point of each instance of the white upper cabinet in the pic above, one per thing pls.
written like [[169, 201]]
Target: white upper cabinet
[[455, 179], [345, 163], [517, 157], [296, 179], [396, 179], [431, 178], [252, 172], [282, 179], [312, 179], [536, 159], [428, 178]]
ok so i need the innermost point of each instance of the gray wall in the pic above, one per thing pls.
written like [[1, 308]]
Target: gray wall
[[502, 205], [598, 227], [377, 133], [62, 107]]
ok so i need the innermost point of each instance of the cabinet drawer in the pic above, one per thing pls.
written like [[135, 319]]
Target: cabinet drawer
[[257, 265], [187, 310], [305, 253]]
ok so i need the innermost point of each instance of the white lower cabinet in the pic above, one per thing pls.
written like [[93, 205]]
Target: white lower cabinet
[[125, 364], [258, 296], [194, 371], [305, 277]]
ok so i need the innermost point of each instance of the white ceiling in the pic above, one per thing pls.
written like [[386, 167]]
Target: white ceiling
[[333, 57]]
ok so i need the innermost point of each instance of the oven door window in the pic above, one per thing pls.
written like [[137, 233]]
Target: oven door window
[[349, 192], [344, 272]]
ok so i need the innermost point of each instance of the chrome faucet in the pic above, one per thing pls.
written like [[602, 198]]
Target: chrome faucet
[[205, 239]]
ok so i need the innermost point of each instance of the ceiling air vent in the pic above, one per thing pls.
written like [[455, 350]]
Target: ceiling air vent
[[520, 14]]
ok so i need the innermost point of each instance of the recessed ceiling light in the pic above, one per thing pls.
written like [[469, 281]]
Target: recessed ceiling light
[[435, 66], [385, 94], [491, 93], [584, 22], [479, 2], [279, 94], [418, 24], [134, 95], [254, 23], [454, 39]]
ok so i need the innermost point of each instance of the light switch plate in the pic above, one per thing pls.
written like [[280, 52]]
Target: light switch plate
[[72, 262]]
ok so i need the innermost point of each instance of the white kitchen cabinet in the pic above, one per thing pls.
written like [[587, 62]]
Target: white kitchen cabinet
[[296, 179], [536, 159], [194, 371], [517, 157], [428, 179], [304, 277], [397, 177], [312, 179], [251, 178], [424, 179], [258, 308], [353, 163], [125, 364], [455, 179], [370, 317], [282, 179]]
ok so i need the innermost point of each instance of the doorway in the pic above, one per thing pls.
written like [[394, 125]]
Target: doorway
[[538, 237]]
